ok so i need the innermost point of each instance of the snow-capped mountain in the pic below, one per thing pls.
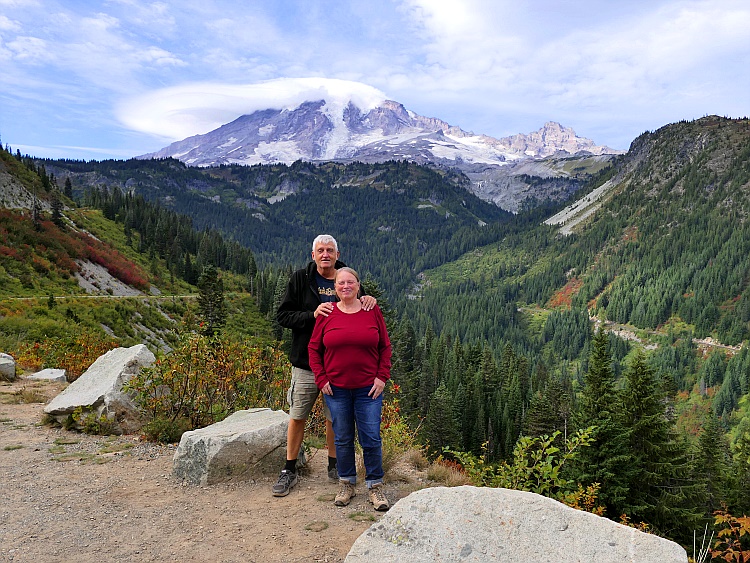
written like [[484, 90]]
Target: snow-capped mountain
[[337, 130]]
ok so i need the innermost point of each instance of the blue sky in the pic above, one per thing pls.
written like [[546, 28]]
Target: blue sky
[[119, 78]]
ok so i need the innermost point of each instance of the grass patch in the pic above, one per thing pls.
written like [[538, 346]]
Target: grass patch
[[317, 526], [447, 474], [66, 441], [11, 448], [114, 448], [328, 497], [24, 395], [415, 458], [362, 517], [56, 450]]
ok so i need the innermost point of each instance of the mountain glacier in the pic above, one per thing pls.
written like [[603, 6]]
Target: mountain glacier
[[337, 129]]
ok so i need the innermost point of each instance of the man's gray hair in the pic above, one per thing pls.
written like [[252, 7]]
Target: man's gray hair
[[325, 239]]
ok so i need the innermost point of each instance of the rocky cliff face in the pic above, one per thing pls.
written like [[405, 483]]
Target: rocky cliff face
[[324, 131]]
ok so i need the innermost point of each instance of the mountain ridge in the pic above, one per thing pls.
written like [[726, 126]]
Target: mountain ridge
[[320, 130]]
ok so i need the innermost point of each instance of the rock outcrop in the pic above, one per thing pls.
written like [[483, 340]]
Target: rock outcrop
[[502, 526], [7, 367], [245, 445], [50, 374], [99, 391]]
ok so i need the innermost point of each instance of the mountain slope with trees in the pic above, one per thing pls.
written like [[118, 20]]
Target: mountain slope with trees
[[494, 315], [392, 219]]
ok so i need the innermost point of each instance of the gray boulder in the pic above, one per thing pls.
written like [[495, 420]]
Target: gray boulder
[[245, 445], [7, 367], [501, 525], [99, 391], [50, 374]]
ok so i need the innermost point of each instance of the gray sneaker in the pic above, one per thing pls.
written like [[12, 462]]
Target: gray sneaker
[[286, 481], [345, 494], [333, 475]]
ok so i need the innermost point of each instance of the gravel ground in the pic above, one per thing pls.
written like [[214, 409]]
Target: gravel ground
[[72, 497]]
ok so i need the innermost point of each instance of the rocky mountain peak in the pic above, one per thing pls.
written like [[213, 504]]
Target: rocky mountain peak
[[340, 129]]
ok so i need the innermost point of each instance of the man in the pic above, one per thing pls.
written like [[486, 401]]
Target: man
[[309, 293]]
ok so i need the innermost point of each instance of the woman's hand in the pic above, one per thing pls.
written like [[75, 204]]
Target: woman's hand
[[326, 390], [377, 388], [368, 302]]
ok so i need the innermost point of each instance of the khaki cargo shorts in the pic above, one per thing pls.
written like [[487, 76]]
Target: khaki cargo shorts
[[302, 395]]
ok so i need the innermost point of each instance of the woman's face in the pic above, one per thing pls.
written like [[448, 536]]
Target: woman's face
[[347, 286]]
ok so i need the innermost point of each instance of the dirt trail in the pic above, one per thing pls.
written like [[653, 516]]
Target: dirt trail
[[66, 496]]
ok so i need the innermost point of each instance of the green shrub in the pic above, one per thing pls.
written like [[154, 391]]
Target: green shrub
[[536, 466], [204, 380], [161, 429], [89, 423]]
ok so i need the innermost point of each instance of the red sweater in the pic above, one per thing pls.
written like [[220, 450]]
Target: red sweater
[[350, 350]]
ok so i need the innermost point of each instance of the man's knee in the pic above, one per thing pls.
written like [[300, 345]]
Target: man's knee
[[297, 422]]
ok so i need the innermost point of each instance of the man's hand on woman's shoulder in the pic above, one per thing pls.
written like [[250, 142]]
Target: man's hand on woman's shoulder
[[368, 302]]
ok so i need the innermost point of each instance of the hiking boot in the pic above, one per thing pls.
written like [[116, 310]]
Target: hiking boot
[[333, 475], [377, 497], [286, 481], [345, 494]]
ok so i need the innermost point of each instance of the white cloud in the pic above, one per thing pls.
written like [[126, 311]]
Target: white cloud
[[181, 111], [28, 49], [584, 61], [18, 3], [657, 59], [6, 24], [492, 66]]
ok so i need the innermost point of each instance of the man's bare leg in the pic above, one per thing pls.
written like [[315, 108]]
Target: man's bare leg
[[295, 433], [288, 478]]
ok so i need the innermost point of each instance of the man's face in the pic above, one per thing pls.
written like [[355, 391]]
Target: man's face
[[325, 255]]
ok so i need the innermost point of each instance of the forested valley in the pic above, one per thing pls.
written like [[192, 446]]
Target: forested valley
[[631, 332]]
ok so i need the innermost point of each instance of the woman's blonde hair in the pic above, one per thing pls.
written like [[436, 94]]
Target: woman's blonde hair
[[346, 269]]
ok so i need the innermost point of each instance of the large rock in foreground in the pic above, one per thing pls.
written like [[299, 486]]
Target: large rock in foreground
[[500, 525], [99, 393], [245, 445]]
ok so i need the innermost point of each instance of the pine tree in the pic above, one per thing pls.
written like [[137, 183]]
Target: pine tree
[[57, 207], [739, 502], [211, 305], [658, 486], [606, 461], [278, 294], [440, 428], [404, 343], [549, 411], [36, 213], [712, 464], [68, 189]]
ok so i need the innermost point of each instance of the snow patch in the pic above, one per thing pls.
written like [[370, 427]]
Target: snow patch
[[229, 142]]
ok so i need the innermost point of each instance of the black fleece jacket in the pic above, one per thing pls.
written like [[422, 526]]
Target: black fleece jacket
[[296, 311]]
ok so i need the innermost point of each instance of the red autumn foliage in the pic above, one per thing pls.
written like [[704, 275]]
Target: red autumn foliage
[[564, 296], [52, 249]]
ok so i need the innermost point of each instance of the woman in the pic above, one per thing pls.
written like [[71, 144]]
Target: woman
[[350, 355]]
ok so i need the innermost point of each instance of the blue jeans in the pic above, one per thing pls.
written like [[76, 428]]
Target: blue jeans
[[348, 406]]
